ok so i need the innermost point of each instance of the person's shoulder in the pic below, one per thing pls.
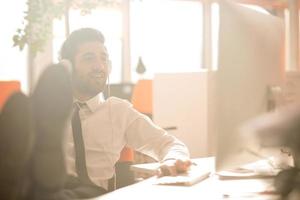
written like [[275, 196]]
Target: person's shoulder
[[118, 102]]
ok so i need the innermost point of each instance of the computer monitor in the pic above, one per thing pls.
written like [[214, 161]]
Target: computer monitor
[[250, 62]]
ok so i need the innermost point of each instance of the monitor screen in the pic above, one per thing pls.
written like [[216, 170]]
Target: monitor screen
[[251, 46]]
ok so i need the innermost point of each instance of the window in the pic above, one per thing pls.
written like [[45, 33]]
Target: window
[[13, 62], [215, 19], [167, 35]]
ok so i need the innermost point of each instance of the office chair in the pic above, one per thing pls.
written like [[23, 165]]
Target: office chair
[[142, 97], [17, 140], [6, 90]]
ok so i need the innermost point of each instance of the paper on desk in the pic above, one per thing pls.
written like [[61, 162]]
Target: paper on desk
[[258, 169]]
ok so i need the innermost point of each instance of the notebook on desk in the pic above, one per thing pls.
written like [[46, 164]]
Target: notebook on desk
[[196, 174]]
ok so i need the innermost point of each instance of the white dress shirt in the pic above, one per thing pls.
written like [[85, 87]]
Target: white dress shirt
[[107, 126]]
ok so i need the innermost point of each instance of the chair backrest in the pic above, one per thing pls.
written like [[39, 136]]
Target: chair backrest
[[6, 89], [126, 155], [142, 96]]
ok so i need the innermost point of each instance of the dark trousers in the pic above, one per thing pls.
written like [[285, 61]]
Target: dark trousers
[[74, 189]]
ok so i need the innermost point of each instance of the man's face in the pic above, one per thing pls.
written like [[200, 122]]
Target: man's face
[[91, 68]]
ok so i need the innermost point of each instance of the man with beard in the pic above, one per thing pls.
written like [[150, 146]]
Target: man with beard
[[101, 128]]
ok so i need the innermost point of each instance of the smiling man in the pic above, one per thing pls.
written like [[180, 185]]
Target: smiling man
[[100, 129]]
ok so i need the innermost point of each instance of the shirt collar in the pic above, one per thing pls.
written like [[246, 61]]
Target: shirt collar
[[93, 103]]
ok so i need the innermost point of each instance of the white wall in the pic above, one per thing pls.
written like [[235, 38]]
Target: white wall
[[184, 100]]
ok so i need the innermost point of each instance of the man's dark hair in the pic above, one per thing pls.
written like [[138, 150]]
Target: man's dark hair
[[76, 38]]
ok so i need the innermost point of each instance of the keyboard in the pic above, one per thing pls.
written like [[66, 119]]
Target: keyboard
[[196, 174]]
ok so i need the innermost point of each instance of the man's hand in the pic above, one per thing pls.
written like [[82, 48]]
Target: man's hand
[[174, 167]]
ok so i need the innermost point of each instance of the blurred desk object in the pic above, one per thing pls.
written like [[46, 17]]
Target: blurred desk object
[[210, 188]]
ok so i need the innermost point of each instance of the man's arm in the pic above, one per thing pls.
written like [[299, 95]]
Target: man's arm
[[144, 136]]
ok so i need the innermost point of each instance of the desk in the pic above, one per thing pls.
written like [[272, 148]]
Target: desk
[[210, 188]]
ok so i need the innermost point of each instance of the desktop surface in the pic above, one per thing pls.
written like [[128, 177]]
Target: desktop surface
[[210, 188]]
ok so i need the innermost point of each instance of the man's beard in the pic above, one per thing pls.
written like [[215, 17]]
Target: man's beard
[[87, 88]]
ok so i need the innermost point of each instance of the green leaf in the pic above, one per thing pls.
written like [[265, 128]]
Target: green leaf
[[39, 15]]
